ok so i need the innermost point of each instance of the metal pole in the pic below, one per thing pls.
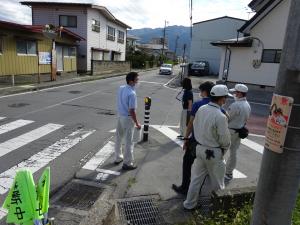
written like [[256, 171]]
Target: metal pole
[[164, 38], [279, 178], [146, 118]]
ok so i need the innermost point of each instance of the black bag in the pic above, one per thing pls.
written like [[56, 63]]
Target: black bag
[[243, 132]]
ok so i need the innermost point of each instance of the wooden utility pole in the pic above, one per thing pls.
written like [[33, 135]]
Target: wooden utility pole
[[279, 178], [164, 38]]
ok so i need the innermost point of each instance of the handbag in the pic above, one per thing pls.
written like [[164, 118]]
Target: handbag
[[243, 132]]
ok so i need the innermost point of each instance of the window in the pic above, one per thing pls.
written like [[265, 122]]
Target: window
[[1, 45], [26, 47], [68, 21], [69, 51], [120, 36], [96, 25], [110, 33], [271, 56]]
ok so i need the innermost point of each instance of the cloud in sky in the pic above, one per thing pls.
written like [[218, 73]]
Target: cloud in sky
[[145, 13]]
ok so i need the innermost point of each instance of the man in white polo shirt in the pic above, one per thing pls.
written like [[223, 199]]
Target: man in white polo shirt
[[126, 105], [239, 113], [213, 139]]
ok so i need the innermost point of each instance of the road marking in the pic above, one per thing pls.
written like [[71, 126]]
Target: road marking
[[2, 118], [112, 131], [110, 172], [238, 175], [102, 176], [101, 156], [259, 103], [24, 139], [169, 133], [150, 82], [3, 213], [173, 136], [41, 159], [14, 125], [253, 145], [257, 135]]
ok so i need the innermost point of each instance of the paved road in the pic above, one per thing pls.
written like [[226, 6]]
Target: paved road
[[65, 127]]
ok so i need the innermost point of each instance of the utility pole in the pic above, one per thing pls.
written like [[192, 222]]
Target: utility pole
[[191, 17], [279, 178], [164, 38], [176, 42]]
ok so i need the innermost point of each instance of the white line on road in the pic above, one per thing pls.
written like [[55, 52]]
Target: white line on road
[[173, 136], [101, 156], [17, 142], [257, 135], [14, 125], [151, 82], [41, 159], [110, 172], [253, 145], [2, 118], [259, 103]]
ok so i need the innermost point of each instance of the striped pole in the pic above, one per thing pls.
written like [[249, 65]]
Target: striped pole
[[146, 118]]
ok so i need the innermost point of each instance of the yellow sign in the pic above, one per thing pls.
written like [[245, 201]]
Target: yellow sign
[[278, 120]]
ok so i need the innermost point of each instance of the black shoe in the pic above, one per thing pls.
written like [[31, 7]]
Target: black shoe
[[179, 189], [191, 210], [180, 137], [118, 162], [129, 167]]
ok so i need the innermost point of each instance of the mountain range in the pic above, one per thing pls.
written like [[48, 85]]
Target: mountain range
[[146, 34]]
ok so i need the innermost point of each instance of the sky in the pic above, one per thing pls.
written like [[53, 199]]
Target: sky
[[145, 13]]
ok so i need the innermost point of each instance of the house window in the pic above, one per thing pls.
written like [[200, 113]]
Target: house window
[[111, 33], [68, 21], [96, 25], [69, 51], [26, 47], [271, 56], [121, 36]]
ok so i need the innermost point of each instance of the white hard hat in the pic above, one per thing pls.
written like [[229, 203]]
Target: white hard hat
[[240, 88], [219, 90]]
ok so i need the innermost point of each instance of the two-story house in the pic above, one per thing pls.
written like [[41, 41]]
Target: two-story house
[[254, 57], [105, 35]]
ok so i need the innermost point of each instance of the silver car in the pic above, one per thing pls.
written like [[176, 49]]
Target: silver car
[[166, 69]]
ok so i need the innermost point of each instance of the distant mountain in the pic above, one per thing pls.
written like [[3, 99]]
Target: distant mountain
[[145, 35]]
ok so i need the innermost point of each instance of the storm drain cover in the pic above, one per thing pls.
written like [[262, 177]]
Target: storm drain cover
[[205, 204], [140, 212], [74, 92], [18, 105], [80, 196]]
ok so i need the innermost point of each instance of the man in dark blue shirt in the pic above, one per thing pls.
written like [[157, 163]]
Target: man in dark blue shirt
[[189, 142]]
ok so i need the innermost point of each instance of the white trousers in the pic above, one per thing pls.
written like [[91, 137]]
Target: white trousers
[[207, 163], [125, 128], [235, 144], [182, 124]]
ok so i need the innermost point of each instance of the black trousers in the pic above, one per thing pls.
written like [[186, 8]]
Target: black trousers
[[188, 160]]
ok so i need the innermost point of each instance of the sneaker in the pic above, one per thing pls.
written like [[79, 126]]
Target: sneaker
[[179, 189], [117, 162], [228, 177], [129, 167]]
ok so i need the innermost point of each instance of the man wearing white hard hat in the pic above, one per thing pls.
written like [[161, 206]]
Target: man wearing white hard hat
[[239, 113], [213, 139]]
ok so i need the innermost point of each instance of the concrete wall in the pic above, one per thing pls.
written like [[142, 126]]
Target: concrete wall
[[209, 31], [270, 31], [105, 67]]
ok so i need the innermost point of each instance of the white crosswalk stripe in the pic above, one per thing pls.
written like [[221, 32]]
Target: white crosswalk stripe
[[2, 118], [173, 136], [24, 139], [14, 125], [41, 159], [98, 159]]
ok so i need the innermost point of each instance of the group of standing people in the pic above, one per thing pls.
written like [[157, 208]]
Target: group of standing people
[[209, 133], [207, 129]]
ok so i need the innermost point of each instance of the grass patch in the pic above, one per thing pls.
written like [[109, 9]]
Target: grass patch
[[235, 216]]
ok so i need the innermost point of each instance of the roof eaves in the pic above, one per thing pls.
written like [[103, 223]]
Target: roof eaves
[[54, 3], [218, 18]]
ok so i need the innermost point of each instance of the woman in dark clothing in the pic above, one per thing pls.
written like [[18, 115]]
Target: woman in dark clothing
[[187, 102]]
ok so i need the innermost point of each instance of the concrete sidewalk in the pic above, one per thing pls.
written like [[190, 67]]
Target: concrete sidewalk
[[6, 89], [144, 194]]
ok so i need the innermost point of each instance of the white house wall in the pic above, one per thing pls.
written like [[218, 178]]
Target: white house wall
[[98, 40], [206, 32], [271, 31], [50, 15]]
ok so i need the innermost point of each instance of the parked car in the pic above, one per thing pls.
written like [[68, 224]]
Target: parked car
[[200, 68], [166, 69]]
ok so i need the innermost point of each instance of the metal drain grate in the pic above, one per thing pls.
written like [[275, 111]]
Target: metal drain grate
[[80, 196], [140, 212], [205, 205]]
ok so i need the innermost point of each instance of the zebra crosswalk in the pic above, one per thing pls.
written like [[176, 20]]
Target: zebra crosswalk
[[42, 158]]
